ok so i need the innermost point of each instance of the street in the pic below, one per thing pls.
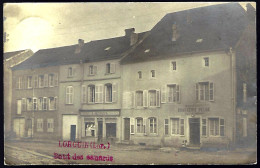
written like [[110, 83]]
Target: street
[[41, 153]]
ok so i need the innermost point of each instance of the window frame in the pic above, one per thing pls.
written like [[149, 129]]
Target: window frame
[[44, 104], [51, 124], [152, 72], [69, 95], [55, 103], [141, 97], [34, 103], [51, 80], [141, 125], [29, 82], [139, 75], [110, 85], [154, 124], [39, 125], [173, 66], [207, 91], [70, 72], [91, 89], [206, 61]]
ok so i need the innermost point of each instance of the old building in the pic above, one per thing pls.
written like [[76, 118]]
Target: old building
[[11, 59], [183, 79]]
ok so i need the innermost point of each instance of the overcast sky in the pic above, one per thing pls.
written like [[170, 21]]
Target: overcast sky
[[47, 25]]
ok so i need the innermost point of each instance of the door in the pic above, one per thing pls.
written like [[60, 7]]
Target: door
[[19, 126], [127, 128], [194, 131], [72, 132], [100, 130], [111, 130], [19, 106]]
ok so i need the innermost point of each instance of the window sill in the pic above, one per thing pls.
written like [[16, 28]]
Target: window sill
[[69, 104], [108, 102]]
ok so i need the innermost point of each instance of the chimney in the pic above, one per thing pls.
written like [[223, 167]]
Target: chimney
[[133, 37], [250, 12], [175, 34], [80, 44]]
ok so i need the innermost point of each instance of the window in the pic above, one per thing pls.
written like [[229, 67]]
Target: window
[[45, 80], [19, 108], [18, 83], [44, 103], [108, 93], [90, 128], [166, 127], [39, 125], [152, 73], [206, 62], [205, 91], [153, 125], [41, 81], [56, 79], [173, 93], [154, 98], [221, 127], [40, 100], [24, 86], [91, 94], [29, 82], [99, 94], [70, 72], [139, 98], [139, 74], [23, 104], [69, 95], [139, 125], [92, 70], [50, 125], [132, 125], [29, 104], [213, 126], [110, 68], [34, 104], [51, 80], [52, 103], [36, 81], [174, 66], [177, 126], [84, 94], [204, 127]]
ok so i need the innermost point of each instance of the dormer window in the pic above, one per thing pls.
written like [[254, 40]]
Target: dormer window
[[206, 62]]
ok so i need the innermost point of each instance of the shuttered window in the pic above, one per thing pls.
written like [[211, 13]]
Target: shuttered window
[[139, 98], [91, 94], [69, 95], [205, 91], [45, 80], [166, 127], [39, 125], [99, 94]]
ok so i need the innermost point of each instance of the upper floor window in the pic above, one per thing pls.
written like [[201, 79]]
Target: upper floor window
[[23, 104], [152, 73], [35, 81], [45, 80], [108, 92], [29, 82], [51, 80], [70, 72], [139, 74], [173, 65], [41, 81], [44, 104], [206, 61], [40, 102], [154, 98], [110, 68], [24, 79], [92, 70], [205, 91], [18, 83], [29, 104], [52, 103], [173, 93], [19, 107], [69, 95], [34, 104], [91, 94], [139, 98]]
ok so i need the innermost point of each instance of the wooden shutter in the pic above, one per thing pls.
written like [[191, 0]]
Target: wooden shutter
[[101, 93], [97, 94], [132, 125], [72, 94], [178, 93], [157, 98], [112, 68], [67, 95], [56, 79], [82, 127], [144, 125], [45, 80], [89, 95], [114, 92], [197, 91], [95, 70], [145, 98], [84, 94], [163, 94], [133, 99]]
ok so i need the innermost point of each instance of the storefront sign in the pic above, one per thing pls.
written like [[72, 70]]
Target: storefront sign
[[194, 109], [101, 113]]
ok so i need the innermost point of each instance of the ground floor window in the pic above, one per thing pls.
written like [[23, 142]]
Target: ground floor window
[[50, 125], [153, 125], [177, 126], [216, 127], [139, 125], [166, 127], [90, 129], [39, 125]]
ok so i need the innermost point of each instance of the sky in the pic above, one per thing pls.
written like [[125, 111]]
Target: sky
[[38, 26]]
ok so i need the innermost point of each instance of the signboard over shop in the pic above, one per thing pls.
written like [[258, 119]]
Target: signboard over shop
[[101, 113], [194, 109]]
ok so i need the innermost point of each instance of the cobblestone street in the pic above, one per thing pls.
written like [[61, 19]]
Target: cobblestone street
[[17, 153]]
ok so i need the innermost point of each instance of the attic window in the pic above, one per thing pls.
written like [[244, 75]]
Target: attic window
[[199, 40], [147, 50], [108, 48]]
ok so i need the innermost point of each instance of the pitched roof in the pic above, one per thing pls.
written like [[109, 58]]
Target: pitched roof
[[200, 29], [11, 54], [105, 49]]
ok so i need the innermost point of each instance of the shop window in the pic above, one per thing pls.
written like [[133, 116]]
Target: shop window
[[90, 129]]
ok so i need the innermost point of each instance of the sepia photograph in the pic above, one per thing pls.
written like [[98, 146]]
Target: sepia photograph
[[130, 83]]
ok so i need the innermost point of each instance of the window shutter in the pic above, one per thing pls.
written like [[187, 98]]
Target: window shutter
[[178, 93], [72, 94], [133, 99], [84, 95], [144, 125], [145, 98], [101, 93], [157, 98], [56, 79], [211, 92], [89, 95], [97, 94], [197, 91], [182, 129], [114, 94], [163, 94], [73, 71], [67, 95], [132, 125], [45, 80], [112, 68], [95, 70]]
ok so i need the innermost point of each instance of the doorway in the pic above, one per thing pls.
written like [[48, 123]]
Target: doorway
[[100, 130], [111, 130], [72, 132], [194, 131], [19, 127], [127, 128]]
